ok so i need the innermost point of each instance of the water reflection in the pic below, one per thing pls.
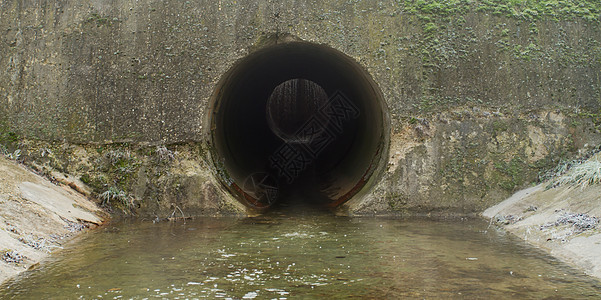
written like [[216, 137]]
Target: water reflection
[[298, 256]]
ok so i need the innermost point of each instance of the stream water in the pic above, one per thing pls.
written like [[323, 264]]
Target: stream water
[[291, 256]]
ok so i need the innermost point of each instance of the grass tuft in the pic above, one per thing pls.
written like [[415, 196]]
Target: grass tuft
[[583, 175], [116, 197]]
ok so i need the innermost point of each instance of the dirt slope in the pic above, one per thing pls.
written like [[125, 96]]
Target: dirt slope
[[36, 216], [563, 221]]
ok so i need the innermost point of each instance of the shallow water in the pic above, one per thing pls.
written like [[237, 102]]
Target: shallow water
[[289, 256]]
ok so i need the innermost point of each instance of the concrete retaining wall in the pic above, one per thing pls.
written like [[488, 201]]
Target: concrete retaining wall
[[481, 96]]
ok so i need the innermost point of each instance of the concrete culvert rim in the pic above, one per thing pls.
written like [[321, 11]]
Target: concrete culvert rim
[[297, 121]]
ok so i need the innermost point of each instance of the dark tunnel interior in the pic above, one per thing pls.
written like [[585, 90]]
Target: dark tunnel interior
[[296, 122]]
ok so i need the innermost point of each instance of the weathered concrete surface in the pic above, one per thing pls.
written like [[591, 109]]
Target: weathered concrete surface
[[148, 181], [529, 212], [464, 161], [482, 96], [144, 70], [36, 217]]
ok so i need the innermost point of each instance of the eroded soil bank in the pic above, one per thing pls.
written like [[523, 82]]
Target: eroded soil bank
[[36, 217], [563, 221]]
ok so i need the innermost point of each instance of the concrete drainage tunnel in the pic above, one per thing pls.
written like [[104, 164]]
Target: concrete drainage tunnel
[[297, 121]]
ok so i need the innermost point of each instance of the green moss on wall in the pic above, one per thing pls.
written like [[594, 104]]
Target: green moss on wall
[[520, 9], [513, 172], [8, 138], [142, 74]]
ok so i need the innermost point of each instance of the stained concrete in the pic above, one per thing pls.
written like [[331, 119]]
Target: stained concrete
[[480, 97]]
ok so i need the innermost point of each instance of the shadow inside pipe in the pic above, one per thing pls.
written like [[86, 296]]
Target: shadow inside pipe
[[297, 121]]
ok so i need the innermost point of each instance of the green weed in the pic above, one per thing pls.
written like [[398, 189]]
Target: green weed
[[582, 175], [117, 198]]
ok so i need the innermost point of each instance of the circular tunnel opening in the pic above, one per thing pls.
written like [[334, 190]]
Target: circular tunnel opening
[[297, 122]]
